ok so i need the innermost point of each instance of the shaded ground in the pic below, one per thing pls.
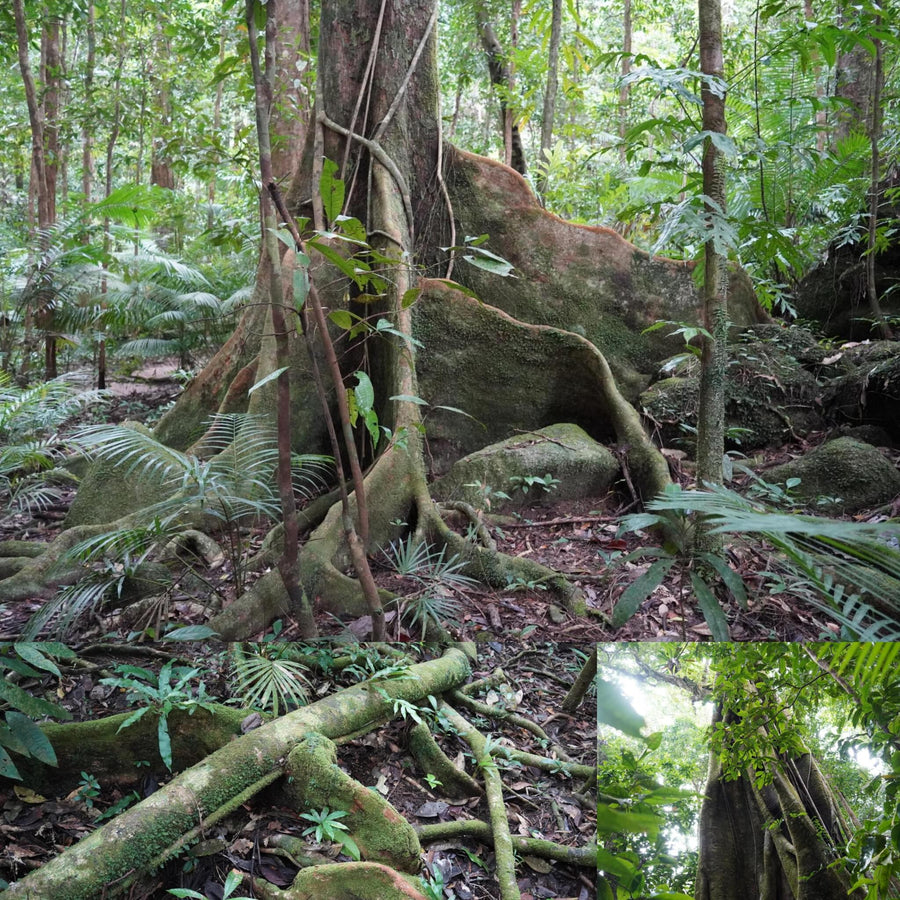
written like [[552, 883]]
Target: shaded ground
[[34, 828], [577, 538]]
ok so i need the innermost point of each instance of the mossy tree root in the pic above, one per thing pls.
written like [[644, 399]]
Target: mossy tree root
[[426, 751], [108, 754], [582, 683], [315, 781], [441, 831], [505, 715], [338, 881], [502, 840], [107, 861]]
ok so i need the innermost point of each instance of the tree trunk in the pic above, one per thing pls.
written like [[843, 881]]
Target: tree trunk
[[499, 71], [550, 93], [711, 415], [875, 190], [772, 841], [624, 70]]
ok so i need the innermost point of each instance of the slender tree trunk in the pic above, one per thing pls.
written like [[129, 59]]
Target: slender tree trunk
[[711, 416], [500, 78], [87, 128], [264, 79], [217, 127], [821, 116], [624, 71], [550, 92], [875, 190]]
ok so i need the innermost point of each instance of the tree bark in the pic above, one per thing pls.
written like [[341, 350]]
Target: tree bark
[[772, 839], [711, 416], [550, 90], [500, 78]]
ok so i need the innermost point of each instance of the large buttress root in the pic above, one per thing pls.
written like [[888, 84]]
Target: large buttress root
[[141, 838]]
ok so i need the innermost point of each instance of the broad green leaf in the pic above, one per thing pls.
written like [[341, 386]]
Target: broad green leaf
[[640, 589], [490, 264], [165, 741], [371, 420], [365, 392], [301, 287], [409, 297], [36, 707], [190, 633], [7, 768], [617, 821], [331, 189], [32, 738], [19, 665], [613, 709], [712, 611], [654, 740], [345, 265], [408, 398], [270, 377], [30, 653], [615, 865], [342, 318], [732, 580]]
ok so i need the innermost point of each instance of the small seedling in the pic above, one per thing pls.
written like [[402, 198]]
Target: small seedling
[[325, 825]]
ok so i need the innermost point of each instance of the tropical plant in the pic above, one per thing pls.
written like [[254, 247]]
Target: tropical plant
[[160, 694], [232, 883], [236, 485], [29, 445], [438, 575], [269, 676], [848, 570], [20, 734], [326, 825]]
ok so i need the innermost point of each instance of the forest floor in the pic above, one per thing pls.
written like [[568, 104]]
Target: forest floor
[[34, 828], [576, 538]]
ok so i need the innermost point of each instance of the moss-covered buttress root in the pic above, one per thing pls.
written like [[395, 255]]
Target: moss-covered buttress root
[[111, 858]]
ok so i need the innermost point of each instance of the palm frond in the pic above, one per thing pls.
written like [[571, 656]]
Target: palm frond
[[268, 680], [853, 566]]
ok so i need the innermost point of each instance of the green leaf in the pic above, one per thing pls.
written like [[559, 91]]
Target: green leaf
[[30, 653], [615, 865], [365, 392], [490, 263], [654, 740], [410, 297], [712, 611], [342, 318], [640, 589], [7, 768], [190, 633], [732, 580], [345, 265], [301, 287], [617, 821], [270, 377], [35, 707], [409, 398], [32, 738], [165, 741], [331, 189], [614, 709]]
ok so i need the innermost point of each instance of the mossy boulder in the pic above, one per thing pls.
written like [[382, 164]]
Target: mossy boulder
[[569, 462], [868, 391], [850, 474], [770, 393], [111, 490]]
